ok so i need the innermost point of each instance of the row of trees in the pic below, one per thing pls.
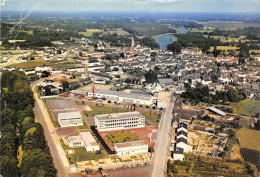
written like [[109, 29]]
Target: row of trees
[[24, 151], [202, 93]]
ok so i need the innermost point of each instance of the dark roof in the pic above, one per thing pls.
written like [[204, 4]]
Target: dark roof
[[199, 128], [181, 133], [182, 124], [49, 86], [100, 75], [179, 140]]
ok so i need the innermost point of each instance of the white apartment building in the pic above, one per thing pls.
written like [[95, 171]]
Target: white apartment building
[[119, 121], [85, 139], [69, 119], [131, 148]]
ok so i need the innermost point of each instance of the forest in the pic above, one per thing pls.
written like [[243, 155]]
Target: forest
[[24, 151]]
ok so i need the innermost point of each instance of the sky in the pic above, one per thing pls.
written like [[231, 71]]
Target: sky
[[134, 5]]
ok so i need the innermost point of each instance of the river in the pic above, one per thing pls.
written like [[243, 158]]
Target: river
[[165, 40]]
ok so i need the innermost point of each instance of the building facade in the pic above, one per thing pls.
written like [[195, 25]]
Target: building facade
[[131, 148], [119, 121], [69, 119]]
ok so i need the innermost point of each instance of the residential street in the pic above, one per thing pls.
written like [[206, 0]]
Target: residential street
[[162, 144]]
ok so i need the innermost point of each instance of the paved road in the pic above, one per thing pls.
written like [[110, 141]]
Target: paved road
[[162, 143], [59, 157]]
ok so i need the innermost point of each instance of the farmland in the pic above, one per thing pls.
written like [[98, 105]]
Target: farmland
[[248, 143], [202, 166], [229, 25], [29, 64], [89, 32], [247, 107]]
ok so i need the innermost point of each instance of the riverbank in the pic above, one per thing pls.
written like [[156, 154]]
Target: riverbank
[[162, 35]]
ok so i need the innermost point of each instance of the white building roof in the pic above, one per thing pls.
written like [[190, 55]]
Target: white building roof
[[88, 139], [119, 115], [74, 139], [130, 144], [216, 111], [67, 115]]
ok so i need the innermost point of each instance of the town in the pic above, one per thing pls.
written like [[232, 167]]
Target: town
[[131, 107]]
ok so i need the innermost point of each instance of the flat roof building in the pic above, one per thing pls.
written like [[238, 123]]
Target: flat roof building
[[121, 97], [69, 119], [85, 139], [131, 148], [119, 121]]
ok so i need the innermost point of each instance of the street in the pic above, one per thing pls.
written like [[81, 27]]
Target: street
[[59, 157], [162, 143]]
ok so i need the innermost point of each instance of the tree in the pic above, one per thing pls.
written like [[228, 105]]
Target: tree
[[37, 163], [8, 116], [151, 77], [8, 166], [122, 55], [175, 47]]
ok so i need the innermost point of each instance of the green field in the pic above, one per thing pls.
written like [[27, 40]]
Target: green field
[[29, 64], [83, 155], [103, 110], [154, 118], [120, 137], [248, 138], [247, 107]]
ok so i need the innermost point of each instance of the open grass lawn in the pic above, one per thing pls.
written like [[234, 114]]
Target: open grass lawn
[[83, 155], [248, 138], [247, 107], [154, 118], [103, 110], [120, 137]]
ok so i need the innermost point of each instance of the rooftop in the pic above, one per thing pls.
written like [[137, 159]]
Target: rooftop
[[216, 111], [130, 144], [122, 94], [88, 139], [66, 115], [118, 115]]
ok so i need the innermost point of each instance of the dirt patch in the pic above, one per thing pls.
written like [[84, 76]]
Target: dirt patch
[[84, 108], [235, 153]]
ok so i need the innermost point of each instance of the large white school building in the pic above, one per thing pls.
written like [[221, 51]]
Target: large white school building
[[119, 121]]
